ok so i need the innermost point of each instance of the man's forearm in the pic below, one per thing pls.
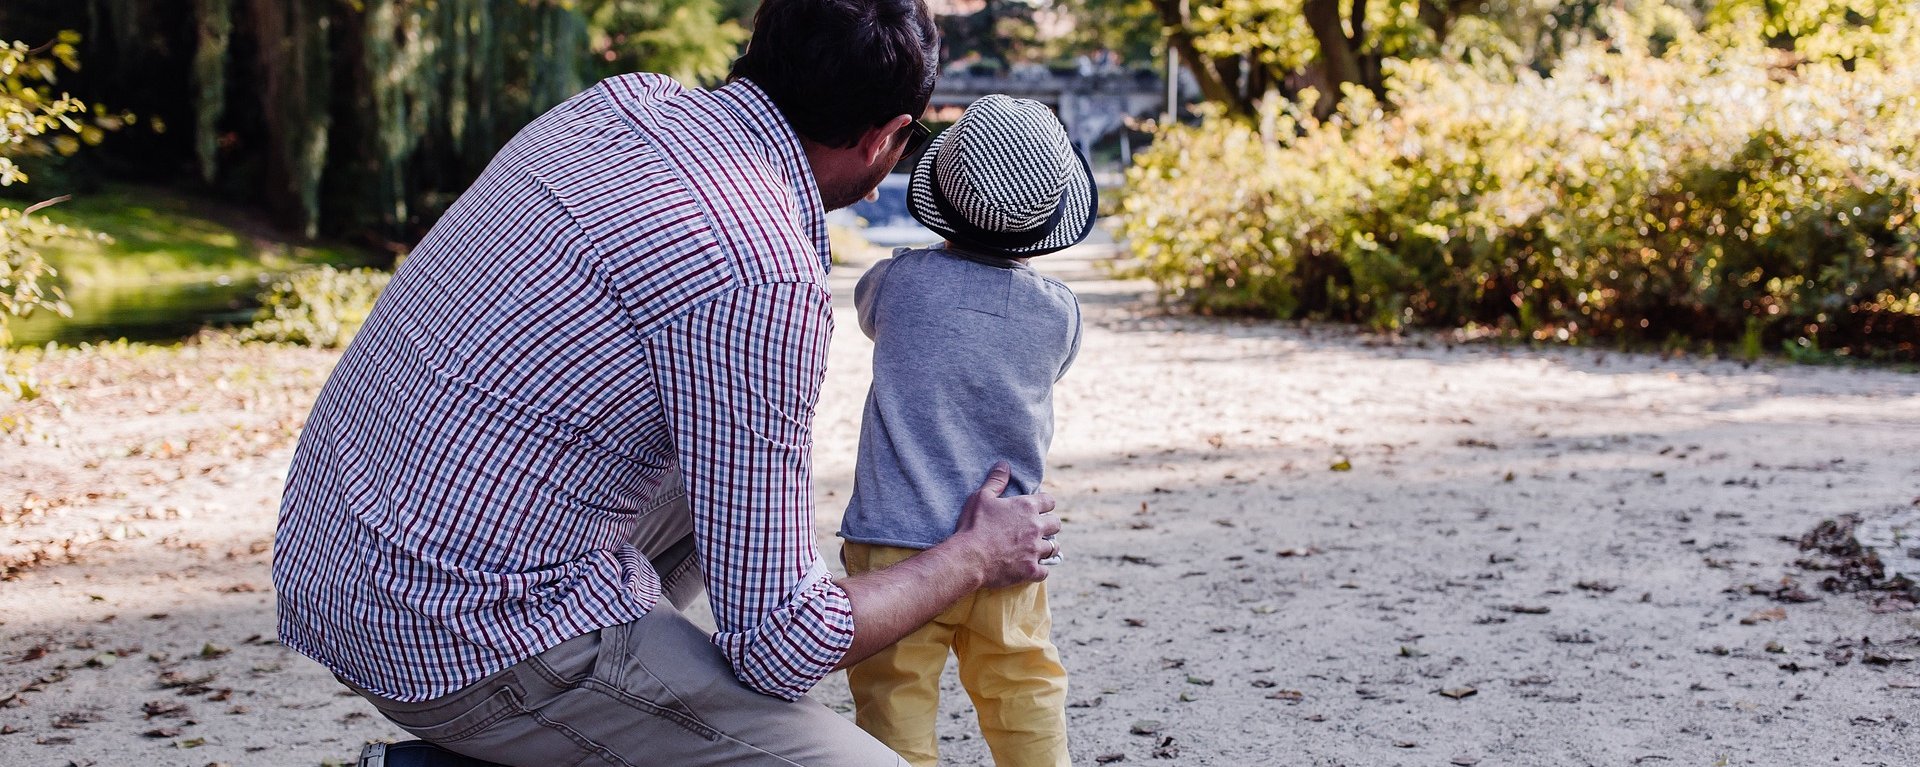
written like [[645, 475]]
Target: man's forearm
[[891, 603], [999, 542]]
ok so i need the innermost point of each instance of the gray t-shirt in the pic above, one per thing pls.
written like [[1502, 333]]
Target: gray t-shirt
[[966, 350]]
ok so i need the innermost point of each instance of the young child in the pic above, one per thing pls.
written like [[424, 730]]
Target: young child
[[968, 342]]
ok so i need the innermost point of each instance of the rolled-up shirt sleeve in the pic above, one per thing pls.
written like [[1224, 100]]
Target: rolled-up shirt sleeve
[[739, 377]]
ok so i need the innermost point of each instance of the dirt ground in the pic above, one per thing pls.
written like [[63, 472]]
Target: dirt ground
[[1285, 545]]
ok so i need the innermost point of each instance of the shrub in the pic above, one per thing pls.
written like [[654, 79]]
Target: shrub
[[321, 307], [1719, 191]]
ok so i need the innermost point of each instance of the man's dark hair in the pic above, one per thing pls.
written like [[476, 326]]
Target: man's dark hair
[[836, 68]]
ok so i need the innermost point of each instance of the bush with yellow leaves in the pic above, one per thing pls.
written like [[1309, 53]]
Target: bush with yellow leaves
[[1721, 189]]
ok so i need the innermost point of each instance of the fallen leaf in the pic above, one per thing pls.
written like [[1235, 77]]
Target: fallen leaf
[[1093, 702], [211, 650], [163, 708], [162, 732], [1109, 758], [103, 660], [1200, 680], [170, 679], [1766, 615], [74, 719], [1145, 727], [1342, 464], [1527, 609], [1457, 693], [34, 653], [1290, 696], [1405, 744], [1411, 652]]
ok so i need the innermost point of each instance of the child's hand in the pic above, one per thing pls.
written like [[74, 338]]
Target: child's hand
[[1010, 536]]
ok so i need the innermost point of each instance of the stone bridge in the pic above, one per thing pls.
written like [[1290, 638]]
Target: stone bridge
[[1092, 106]]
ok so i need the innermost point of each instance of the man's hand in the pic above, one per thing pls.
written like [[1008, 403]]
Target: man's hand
[[1009, 536], [999, 543]]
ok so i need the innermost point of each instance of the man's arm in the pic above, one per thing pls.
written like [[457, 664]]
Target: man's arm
[[998, 544], [739, 379]]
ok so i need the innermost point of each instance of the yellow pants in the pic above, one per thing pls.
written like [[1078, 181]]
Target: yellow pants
[[1007, 663]]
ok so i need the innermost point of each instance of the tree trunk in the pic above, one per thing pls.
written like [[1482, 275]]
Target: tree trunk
[[292, 39], [214, 25], [1215, 86], [1339, 54]]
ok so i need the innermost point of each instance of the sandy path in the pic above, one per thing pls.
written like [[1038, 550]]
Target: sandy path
[[1567, 533]]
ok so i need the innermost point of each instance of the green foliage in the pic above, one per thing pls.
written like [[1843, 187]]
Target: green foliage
[[26, 279], [1706, 191], [1277, 32], [33, 121], [1821, 29], [1129, 28], [684, 39], [160, 235], [361, 119], [321, 307]]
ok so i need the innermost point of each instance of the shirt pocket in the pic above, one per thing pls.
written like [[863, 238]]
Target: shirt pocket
[[988, 291]]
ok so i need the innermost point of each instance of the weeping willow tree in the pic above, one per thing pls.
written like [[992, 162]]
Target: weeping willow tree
[[432, 90], [360, 118]]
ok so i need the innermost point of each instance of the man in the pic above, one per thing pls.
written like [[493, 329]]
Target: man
[[482, 532]]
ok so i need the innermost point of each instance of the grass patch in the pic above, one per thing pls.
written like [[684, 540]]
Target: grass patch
[[164, 236], [175, 263]]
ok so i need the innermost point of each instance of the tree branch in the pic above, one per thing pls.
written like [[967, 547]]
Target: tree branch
[[44, 204]]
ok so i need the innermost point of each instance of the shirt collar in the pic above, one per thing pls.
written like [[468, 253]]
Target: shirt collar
[[773, 134]]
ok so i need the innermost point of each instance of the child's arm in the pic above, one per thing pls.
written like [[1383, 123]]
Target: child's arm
[[866, 293], [1073, 347]]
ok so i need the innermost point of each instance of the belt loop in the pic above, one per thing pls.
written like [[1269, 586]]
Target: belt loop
[[610, 664]]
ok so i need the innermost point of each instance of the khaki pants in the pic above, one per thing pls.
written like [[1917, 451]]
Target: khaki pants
[[1007, 663], [652, 692]]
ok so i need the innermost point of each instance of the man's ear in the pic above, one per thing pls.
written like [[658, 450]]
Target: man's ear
[[878, 140]]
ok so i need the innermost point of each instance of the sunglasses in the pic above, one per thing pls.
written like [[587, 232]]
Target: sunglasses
[[918, 134]]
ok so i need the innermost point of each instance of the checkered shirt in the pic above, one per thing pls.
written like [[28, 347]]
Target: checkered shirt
[[638, 280]]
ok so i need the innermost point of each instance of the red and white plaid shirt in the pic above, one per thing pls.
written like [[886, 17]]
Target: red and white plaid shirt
[[638, 279]]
